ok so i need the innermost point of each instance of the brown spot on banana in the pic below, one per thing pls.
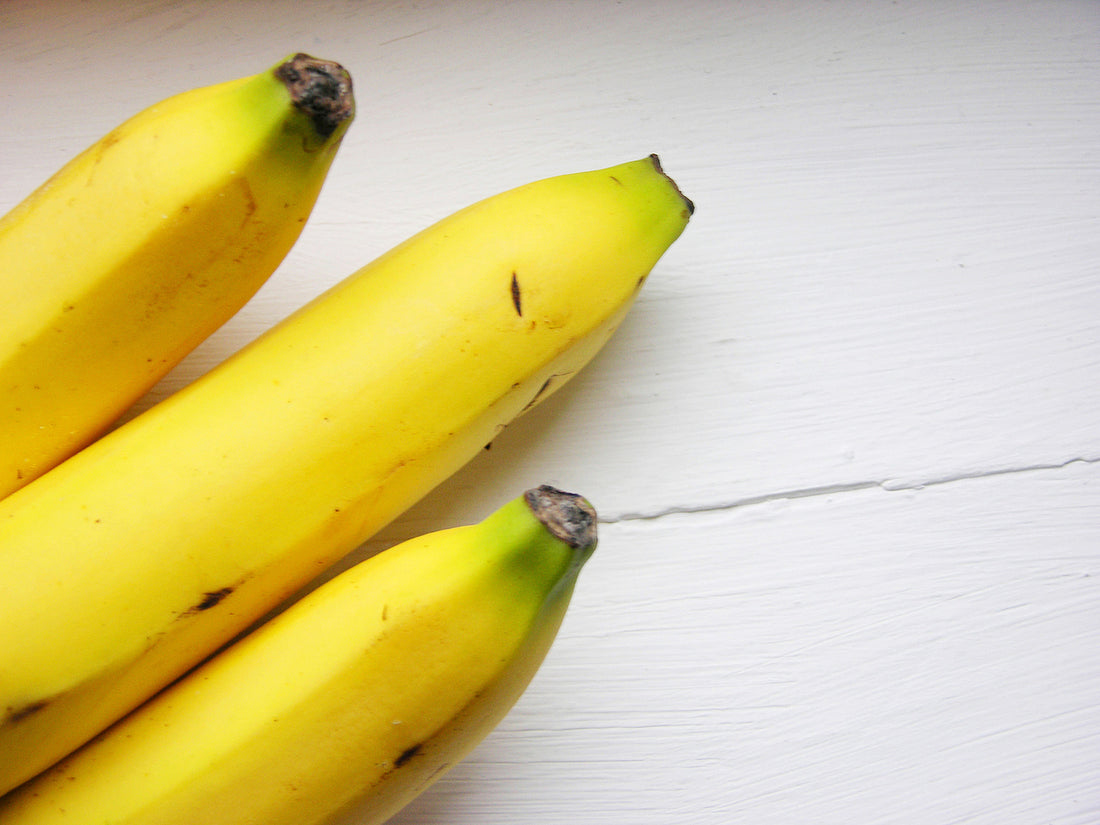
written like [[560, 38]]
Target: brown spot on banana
[[516, 298], [542, 391], [209, 599], [406, 755], [249, 198], [109, 140], [18, 714], [539, 393]]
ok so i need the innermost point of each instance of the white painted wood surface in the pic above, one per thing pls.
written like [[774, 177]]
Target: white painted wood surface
[[847, 446]]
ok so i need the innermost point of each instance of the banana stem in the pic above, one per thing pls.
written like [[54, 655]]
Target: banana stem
[[567, 516], [320, 89]]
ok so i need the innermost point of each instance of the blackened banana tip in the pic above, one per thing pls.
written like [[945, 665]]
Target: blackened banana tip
[[567, 516], [320, 88]]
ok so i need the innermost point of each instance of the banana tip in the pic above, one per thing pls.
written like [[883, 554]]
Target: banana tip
[[687, 201], [568, 516], [319, 88]]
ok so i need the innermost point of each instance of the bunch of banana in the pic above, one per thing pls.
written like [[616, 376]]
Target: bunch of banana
[[353, 700], [141, 555], [147, 242]]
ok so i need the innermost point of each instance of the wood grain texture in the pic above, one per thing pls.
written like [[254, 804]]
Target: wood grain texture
[[846, 447]]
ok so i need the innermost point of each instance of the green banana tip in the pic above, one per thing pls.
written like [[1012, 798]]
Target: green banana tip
[[319, 88], [568, 516]]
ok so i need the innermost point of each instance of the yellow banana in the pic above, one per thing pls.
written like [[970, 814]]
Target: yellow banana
[[353, 700], [145, 552], [145, 243]]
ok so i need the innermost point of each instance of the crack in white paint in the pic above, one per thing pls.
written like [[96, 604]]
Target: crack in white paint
[[889, 485]]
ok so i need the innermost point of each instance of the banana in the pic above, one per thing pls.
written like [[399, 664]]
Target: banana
[[353, 700], [139, 556], [146, 242]]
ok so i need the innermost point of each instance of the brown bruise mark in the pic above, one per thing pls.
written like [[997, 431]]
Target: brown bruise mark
[[109, 140], [516, 298], [19, 714], [250, 205], [100, 149], [538, 394], [443, 768], [549, 382], [406, 755], [209, 599]]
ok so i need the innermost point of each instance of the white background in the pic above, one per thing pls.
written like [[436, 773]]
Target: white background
[[846, 445]]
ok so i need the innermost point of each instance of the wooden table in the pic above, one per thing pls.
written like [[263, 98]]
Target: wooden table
[[846, 445]]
